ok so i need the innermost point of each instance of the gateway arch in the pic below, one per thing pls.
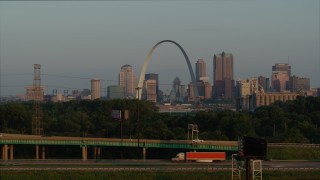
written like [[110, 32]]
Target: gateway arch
[[145, 64]]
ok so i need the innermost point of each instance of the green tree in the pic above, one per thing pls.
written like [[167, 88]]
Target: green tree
[[295, 136], [236, 125], [16, 118]]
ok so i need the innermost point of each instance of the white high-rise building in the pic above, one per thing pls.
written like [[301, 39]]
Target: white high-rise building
[[95, 88], [127, 80]]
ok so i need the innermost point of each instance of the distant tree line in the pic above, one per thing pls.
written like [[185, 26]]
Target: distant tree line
[[294, 121]]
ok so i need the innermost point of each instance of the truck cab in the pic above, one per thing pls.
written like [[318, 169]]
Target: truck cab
[[179, 157]]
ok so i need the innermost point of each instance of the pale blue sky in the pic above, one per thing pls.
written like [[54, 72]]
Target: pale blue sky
[[94, 39]]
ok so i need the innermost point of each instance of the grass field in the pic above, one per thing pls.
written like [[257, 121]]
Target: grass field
[[285, 153]]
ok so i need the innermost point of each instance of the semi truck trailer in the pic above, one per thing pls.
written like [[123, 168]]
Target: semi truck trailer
[[200, 156]]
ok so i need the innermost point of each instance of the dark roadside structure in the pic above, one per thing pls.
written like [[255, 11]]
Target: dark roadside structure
[[251, 151]]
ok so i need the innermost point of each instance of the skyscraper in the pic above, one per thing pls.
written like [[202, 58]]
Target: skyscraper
[[191, 97], [262, 81], [155, 77], [280, 77], [200, 69], [149, 90], [204, 89], [176, 86], [223, 79], [223, 66], [299, 84], [282, 67], [127, 80], [95, 88]]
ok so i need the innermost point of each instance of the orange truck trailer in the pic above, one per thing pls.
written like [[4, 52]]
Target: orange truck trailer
[[200, 156]]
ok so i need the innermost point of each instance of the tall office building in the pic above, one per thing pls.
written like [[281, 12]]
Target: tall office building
[[280, 77], [267, 85], [95, 88], [176, 86], [127, 80], [282, 67], [178, 91], [182, 91], [262, 81], [299, 84], [246, 90], [149, 90], [243, 93], [153, 76], [200, 69], [223, 79], [204, 89], [191, 97], [223, 66]]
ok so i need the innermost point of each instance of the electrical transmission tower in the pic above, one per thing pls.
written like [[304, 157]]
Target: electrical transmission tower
[[37, 128]]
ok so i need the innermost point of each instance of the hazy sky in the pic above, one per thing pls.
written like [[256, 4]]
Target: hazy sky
[[94, 39]]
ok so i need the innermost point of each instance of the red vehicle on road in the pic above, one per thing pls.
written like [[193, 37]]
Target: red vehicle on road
[[200, 156]]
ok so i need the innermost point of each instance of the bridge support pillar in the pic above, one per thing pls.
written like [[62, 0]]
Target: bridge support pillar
[[84, 153], [37, 152], [43, 155], [11, 152], [144, 153], [5, 152], [2, 152], [98, 152], [94, 152]]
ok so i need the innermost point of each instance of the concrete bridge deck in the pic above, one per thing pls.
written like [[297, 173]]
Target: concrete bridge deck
[[9, 140]]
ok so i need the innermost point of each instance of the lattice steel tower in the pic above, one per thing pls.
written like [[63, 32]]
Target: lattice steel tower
[[37, 128]]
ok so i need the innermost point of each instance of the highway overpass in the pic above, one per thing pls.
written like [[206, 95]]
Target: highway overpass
[[9, 140]]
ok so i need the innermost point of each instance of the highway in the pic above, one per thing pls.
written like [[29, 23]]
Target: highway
[[147, 165], [14, 139]]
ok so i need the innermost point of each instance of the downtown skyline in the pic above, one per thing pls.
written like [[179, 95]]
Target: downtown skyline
[[94, 39]]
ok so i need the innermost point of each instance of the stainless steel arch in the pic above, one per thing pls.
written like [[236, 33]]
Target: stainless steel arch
[[146, 61]]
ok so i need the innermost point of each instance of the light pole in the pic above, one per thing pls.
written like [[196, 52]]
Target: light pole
[[121, 153], [138, 121], [126, 116]]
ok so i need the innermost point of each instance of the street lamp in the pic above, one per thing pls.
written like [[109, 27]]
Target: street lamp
[[138, 120], [116, 114], [126, 116]]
